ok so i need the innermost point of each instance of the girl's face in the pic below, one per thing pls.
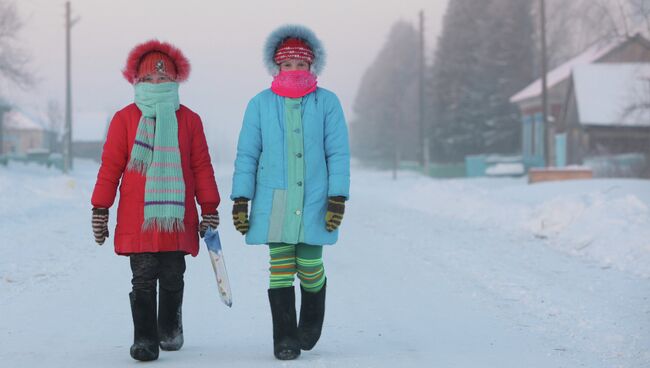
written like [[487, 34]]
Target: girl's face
[[293, 64], [156, 78]]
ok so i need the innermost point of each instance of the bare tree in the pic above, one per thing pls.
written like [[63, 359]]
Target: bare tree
[[573, 26], [640, 11], [13, 59], [638, 106]]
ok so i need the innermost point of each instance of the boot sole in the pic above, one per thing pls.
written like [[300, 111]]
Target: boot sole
[[143, 354], [287, 354], [173, 344], [170, 347], [307, 347]]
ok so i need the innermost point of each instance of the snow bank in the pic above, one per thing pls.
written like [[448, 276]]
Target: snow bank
[[610, 224], [604, 220], [34, 250]]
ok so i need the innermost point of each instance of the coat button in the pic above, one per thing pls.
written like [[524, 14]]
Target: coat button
[[296, 130], [299, 183], [299, 155], [298, 212]]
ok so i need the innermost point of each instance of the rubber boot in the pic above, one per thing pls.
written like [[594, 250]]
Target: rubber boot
[[312, 313], [285, 330], [170, 321], [145, 334]]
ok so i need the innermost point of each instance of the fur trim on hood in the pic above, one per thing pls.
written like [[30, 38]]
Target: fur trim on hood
[[294, 31], [130, 71]]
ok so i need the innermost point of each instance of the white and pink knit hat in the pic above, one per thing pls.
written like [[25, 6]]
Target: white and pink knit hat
[[294, 48]]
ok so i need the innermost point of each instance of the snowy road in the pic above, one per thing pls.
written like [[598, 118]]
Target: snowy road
[[422, 277]]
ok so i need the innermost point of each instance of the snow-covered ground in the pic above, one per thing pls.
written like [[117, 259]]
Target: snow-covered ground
[[428, 273]]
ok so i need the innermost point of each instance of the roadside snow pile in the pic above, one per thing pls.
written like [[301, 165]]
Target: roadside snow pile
[[44, 219], [612, 227], [605, 220]]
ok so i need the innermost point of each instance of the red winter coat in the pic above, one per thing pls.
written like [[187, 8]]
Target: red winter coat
[[197, 173]]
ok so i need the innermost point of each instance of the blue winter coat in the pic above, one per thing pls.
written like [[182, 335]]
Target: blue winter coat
[[261, 165]]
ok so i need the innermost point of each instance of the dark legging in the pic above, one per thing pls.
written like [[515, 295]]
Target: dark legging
[[148, 268]]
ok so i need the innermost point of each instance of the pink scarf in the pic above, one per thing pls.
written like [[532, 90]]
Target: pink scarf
[[294, 83]]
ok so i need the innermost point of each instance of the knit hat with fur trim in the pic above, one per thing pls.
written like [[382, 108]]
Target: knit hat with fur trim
[[155, 56], [293, 48], [156, 62], [295, 31]]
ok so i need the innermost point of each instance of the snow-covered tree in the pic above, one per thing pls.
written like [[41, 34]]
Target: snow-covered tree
[[386, 106], [484, 55]]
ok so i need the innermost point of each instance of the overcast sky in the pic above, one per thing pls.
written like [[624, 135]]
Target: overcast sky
[[223, 41]]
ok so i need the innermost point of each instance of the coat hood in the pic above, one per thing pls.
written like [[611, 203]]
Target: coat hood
[[295, 31]]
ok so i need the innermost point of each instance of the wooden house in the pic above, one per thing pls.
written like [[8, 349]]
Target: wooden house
[[634, 49], [22, 133], [607, 116]]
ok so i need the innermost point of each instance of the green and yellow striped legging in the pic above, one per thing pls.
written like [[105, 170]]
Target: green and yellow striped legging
[[289, 259]]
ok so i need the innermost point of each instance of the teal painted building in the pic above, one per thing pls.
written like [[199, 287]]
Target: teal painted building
[[529, 100], [532, 140]]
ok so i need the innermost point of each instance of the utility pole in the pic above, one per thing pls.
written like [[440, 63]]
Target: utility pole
[[396, 148], [424, 137], [67, 135], [545, 120], [4, 107]]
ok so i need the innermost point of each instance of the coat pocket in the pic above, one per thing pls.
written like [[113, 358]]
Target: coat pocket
[[270, 170]]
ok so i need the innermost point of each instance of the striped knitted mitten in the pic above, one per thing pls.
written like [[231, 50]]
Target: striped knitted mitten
[[100, 224], [240, 214], [208, 220], [335, 210]]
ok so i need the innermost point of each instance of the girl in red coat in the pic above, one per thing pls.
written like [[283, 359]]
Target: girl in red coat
[[157, 153]]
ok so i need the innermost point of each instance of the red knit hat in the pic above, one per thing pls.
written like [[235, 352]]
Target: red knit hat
[[155, 56], [293, 48], [156, 62]]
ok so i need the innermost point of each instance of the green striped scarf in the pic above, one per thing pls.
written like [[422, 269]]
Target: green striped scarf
[[155, 154]]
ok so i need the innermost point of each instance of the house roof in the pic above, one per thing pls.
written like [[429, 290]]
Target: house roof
[[18, 120], [563, 72], [611, 94]]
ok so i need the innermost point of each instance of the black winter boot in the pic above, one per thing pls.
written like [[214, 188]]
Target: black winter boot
[[170, 322], [285, 331], [312, 313], [145, 336]]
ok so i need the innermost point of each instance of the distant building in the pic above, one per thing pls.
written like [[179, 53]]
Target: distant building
[[22, 134], [607, 115], [89, 133], [634, 49]]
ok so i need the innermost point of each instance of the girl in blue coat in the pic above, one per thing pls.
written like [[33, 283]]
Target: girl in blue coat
[[293, 162]]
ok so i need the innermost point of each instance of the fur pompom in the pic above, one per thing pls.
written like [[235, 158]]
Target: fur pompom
[[130, 71]]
